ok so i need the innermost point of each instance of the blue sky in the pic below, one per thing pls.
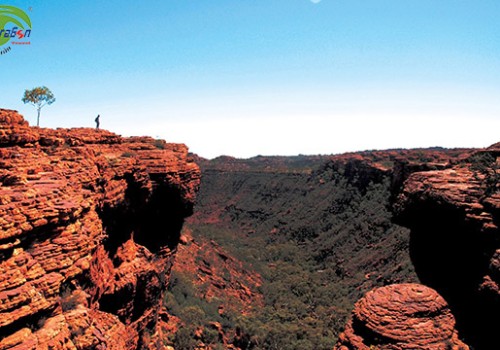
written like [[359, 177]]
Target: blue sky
[[243, 78]]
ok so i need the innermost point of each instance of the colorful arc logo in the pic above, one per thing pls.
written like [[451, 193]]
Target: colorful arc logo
[[15, 27]]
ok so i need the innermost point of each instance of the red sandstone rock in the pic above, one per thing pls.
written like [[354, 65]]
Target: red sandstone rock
[[217, 276], [454, 217], [222, 276], [401, 316], [88, 221]]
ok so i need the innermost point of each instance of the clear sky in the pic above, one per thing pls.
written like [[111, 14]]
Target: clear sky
[[249, 77]]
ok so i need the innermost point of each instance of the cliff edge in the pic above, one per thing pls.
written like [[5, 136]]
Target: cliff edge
[[89, 222], [454, 216]]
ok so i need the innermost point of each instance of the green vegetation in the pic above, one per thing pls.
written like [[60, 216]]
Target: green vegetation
[[160, 144], [38, 97], [486, 164], [182, 300], [128, 154], [68, 299], [320, 239]]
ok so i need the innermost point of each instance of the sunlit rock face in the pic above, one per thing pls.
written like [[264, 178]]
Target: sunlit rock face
[[401, 316], [88, 226], [454, 215]]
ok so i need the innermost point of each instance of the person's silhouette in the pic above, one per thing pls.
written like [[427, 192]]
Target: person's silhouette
[[97, 121]]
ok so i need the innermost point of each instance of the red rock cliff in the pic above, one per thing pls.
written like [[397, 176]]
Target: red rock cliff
[[454, 217], [88, 225]]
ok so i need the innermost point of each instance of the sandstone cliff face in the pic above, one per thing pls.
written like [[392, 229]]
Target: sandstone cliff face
[[454, 215], [88, 225]]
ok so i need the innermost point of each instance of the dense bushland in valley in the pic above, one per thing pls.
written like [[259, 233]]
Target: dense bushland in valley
[[318, 230]]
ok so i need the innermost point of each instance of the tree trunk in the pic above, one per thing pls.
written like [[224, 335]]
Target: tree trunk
[[38, 118]]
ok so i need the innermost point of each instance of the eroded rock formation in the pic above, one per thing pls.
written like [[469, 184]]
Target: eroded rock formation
[[454, 217], [88, 225], [222, 276], [401, 316]]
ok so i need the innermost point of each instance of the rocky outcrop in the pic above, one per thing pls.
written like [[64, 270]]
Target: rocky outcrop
[[225, 287], [454, 215], [220, 275], [89, 222], [453, 211], [401, 316]]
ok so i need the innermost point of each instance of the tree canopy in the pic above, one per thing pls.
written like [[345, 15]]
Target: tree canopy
[[38, 97]]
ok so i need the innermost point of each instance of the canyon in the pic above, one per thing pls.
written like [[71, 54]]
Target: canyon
[[332, 228], [110, 242]]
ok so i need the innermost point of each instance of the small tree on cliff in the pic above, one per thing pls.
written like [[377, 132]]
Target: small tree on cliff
[[38, 97]]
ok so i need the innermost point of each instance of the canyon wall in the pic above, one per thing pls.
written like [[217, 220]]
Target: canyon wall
[[89, 222], [453, 214]]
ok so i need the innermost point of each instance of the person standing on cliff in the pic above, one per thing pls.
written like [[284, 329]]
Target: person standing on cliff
[[97, 121]]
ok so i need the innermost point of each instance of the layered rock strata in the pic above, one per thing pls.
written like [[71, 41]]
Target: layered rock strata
[[401, 316], [89, 222], [454, 217]]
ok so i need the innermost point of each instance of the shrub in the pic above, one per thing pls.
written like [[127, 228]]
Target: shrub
[[69, 300], [160, 144], [184, 339], [127, 154], [485, 164]]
